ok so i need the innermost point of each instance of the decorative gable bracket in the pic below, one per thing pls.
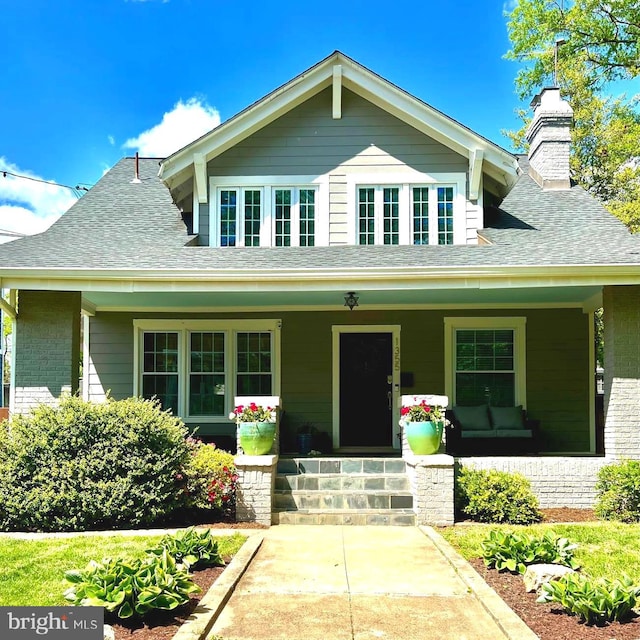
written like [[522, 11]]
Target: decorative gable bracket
[[200, 173], [476, 157]]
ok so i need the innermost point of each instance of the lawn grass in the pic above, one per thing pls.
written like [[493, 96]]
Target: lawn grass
[[605, 549], [31, 571]]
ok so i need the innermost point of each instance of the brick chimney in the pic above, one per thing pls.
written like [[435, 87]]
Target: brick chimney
[[549, 137]]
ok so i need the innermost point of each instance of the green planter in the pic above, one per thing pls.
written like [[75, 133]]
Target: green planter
[[424, 438], [256, 438]]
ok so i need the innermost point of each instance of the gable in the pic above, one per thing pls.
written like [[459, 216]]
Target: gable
[[340, 73], [308, 141]]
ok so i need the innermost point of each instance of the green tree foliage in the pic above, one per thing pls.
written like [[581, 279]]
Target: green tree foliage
[[601, 44], [603, 34]]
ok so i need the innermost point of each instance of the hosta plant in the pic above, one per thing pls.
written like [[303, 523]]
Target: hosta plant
[[131, 587], [510, 551], [593, 601], [190, 547]]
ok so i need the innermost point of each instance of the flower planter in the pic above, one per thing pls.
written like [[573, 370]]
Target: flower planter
[[424, 438], [256, 438]]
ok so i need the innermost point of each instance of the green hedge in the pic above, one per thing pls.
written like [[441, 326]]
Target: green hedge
[[496, 496], [83, 465], [618, 489]]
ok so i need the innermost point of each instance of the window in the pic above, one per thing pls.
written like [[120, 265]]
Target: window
[[445, 215], [265, 216], [307, 217], [160, 368], [407, 214], [206, 373], [485, 361], [390, 215], [420, 202], [195, 368]]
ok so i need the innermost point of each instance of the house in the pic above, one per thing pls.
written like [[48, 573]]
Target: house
[[340, 243]]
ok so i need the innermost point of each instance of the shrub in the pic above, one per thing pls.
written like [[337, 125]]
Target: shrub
[[131, 587], [618, 489], [83, 465], [194, 549], [594, 601], [210, 476], [496, 496], [509, 551]]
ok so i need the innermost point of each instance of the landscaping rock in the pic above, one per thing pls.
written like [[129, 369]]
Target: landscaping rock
[[109, 633], [538, 574]]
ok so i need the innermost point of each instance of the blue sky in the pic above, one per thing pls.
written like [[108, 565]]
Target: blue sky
[[85, 82]]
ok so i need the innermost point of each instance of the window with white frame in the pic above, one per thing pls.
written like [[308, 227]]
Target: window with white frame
[[406, 214], [485, 361], [256, 216], [195, 368]]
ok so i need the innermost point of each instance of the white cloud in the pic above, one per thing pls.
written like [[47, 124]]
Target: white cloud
[[111, 140], [180, 126], [27, 206]]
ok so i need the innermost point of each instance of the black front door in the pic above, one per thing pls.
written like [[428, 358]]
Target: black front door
[[365, 386]]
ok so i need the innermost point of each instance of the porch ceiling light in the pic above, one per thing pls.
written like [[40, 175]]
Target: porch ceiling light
[[351, 300]]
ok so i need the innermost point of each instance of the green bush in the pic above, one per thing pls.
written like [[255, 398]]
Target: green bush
[[192, 548], [131, 587], [593, 601], [209, 476], [618, 489], [510, 551], [83, 465], [496, 496]]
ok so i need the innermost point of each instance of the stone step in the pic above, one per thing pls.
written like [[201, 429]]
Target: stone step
[[340, 466], [401, 517], [340, 482], [343, 500]]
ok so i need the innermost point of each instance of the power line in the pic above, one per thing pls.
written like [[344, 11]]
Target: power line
[[76, 190]]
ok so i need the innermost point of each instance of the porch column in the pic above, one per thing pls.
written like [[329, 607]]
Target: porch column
[[622, 371], [46, 347], [255, 487]]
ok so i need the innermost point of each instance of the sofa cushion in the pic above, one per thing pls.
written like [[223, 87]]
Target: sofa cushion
[[468, 434], [507, 417], [514, 433], [473, 418]]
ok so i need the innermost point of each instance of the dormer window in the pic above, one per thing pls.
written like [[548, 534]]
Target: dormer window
[[265, 215], [409, 214]]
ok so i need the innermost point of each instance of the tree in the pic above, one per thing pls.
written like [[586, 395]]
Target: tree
[[602, 44], [604, 35]]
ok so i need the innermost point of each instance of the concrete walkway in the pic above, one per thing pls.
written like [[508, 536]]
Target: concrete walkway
[[361, 583]]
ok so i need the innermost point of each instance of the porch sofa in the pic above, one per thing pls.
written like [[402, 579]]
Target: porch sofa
[[487, 430]]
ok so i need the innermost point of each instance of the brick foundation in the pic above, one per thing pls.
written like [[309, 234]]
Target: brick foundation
[[254, 491]]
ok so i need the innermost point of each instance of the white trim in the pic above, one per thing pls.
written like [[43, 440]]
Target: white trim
[[394, 330], [200, 177], [592, 383], [340, 307], [216, 279], [336, 109], [476, 157], [196, 209], [230, 327], [86, 359], [518, 324]]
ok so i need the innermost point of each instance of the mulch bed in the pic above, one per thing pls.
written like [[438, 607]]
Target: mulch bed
[[549, 621], [163, 625]]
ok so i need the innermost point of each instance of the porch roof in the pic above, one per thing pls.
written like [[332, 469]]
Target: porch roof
[[128, 232]]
